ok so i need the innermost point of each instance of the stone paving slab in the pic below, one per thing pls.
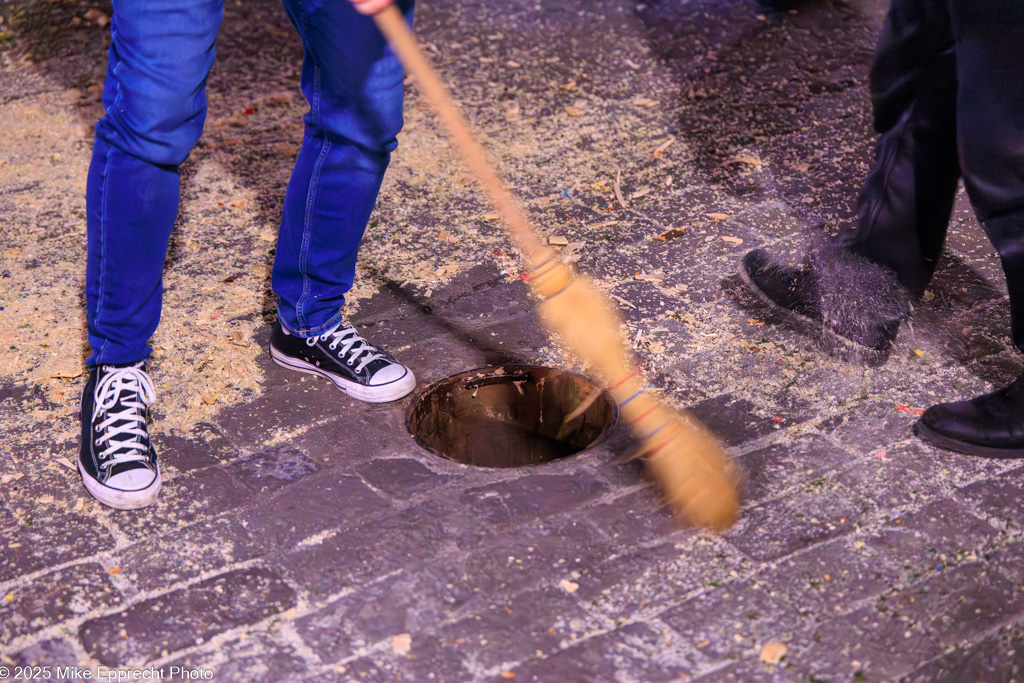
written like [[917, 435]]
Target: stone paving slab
[[301, 536], [187, 616]]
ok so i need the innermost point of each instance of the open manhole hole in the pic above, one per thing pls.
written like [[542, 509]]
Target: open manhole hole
[[510, 416]]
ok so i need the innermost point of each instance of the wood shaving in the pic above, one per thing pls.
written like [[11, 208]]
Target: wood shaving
[[617, 186], [741, 160], [401, 644], [773, 652]]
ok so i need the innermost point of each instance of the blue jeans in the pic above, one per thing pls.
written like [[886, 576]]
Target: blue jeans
[[155, 102]]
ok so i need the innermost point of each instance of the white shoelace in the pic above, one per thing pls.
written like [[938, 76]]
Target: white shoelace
[[140, 393], [347, 337]]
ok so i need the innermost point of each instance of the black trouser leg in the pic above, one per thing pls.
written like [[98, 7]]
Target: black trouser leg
[[906, 201], [990, 112]]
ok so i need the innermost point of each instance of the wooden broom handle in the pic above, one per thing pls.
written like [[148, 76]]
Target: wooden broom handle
[[393, 25]]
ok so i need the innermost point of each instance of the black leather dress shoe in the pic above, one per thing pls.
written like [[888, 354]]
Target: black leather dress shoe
[[990, 426], [851, 308]]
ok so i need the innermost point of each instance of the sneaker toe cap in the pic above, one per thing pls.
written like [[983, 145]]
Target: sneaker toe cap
[[135, 479], [389, 374]]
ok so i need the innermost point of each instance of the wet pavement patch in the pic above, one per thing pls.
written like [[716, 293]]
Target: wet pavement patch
[[511, 416], [282, 463]]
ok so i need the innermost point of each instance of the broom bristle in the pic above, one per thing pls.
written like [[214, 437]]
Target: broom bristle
[[699, 481]]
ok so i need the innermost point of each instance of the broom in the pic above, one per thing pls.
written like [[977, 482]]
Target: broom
[[698, 480]]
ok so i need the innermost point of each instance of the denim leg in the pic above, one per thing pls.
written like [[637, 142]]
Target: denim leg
[[353, 83], [154, 96], [906, 201]]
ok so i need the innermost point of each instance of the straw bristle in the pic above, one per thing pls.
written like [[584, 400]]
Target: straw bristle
[[697, 478]]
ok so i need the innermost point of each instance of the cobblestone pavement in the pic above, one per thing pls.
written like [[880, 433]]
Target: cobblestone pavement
[[301, 536]]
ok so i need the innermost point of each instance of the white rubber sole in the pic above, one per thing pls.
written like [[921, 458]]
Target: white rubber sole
[[121, 500], [384, 393]]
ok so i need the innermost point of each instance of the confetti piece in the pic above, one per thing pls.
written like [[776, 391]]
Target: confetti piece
[[907, 409], [919, 352]]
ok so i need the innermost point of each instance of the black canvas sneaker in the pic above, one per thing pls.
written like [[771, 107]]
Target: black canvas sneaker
[[356, 366], [851, 307], [117, 460]]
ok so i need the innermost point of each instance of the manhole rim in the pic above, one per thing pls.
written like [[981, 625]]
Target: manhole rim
[[600, 439]]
